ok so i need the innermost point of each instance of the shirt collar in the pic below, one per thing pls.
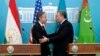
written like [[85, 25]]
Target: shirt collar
[[63, 21], [41, 24]]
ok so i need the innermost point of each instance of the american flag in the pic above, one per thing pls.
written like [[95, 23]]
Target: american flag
[[38, 8]]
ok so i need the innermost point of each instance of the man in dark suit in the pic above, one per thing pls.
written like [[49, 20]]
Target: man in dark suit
[[62, 37], [38, 31]]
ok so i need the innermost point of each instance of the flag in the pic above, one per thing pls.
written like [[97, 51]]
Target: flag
[[31, 39], [5, 41], [62, 5], [12, 33], [86, 30], [38, 8]]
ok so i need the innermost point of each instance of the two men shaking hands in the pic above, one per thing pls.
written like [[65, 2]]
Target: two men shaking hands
[[60, 39]]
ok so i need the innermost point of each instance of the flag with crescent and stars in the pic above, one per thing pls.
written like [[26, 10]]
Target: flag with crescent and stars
[[86, 30]]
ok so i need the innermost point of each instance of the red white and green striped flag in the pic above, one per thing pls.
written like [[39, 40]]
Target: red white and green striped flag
[[12, 33]]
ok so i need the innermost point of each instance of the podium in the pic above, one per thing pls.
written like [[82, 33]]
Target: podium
[[89, 49], [33, 49]]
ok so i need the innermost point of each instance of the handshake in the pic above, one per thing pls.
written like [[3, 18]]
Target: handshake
[[43, 40]]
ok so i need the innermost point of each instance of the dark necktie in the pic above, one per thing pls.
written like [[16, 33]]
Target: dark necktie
[[43, 28]]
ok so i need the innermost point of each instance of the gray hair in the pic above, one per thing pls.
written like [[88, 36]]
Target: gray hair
[[39, 14]]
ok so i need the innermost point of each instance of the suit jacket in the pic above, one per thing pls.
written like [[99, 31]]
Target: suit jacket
[[62, 38], [37, 33]]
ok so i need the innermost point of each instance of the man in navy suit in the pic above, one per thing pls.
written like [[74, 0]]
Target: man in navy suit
[[38, 31]]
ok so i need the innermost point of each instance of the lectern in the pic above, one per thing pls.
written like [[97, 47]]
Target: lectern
[[33, 49], [89, 49]]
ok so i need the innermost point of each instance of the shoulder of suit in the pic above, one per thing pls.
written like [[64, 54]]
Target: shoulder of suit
[[67, 22], [36, 25]]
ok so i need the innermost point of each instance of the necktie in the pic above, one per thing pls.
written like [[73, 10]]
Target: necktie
[[43, 28]]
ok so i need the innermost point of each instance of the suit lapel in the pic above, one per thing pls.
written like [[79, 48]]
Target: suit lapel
[[42, 30], [59, 29]]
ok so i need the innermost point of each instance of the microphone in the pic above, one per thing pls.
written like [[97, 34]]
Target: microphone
[[95, 32], [75, 46], [75, 40], [28, 33]]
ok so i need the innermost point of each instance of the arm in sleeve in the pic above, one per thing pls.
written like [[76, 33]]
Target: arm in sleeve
[[65, 31]]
